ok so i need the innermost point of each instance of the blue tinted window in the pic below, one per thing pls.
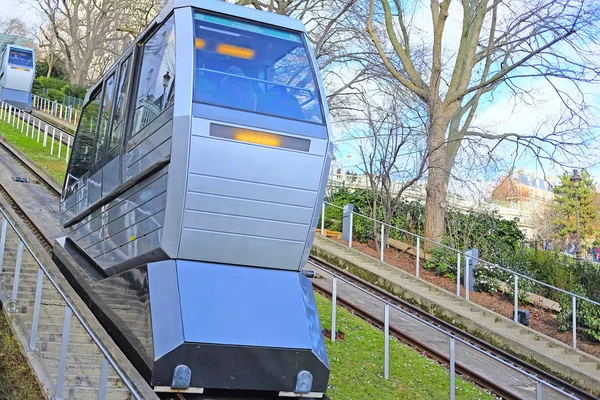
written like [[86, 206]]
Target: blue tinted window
[[21, 58], [255, 68]]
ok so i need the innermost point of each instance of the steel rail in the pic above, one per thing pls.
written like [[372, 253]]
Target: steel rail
[[450, 329]]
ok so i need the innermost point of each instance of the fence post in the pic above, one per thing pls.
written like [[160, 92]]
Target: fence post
[[418, 256], [574, 322], [452, 369], [386, 344], [382, 240], [103, 380], [351, 226], [60, 114], [45, 134], [39, 130], [333, 308], [2, 243], [36, 310], [67, 149], [28, 125], [18, 118], [52, 143], [62, 363], [15, 289], [323, 219], [467, 277], [516, 316], [9, 114], [59, 144], [538, 390], [458, 274]]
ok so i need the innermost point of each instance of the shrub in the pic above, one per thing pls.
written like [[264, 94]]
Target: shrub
[[52, 83], [54, 94], [588, 315], [75, 91]]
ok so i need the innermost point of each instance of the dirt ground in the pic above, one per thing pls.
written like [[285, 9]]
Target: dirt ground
[[541, 320]]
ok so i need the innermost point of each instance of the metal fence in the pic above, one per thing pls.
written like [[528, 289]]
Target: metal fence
[[38, 129], [453, 349], [15, 297], [419, 241], [72, 101], [66, 113]]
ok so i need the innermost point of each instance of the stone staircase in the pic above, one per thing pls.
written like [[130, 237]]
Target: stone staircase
[[83, 365], [560, 359]]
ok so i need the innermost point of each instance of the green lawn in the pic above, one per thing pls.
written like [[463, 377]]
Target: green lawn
[[357, 365], [36, 151], [17, 381]]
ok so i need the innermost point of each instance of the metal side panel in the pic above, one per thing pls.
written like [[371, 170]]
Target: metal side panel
[[156, 155], [150, 143], [115, 260], [249, 226], [167, 328], [253, 163], [226, 304], [95, 187], [110, 176], [211, 185], [240, 249], [241, 207], [182, 120]]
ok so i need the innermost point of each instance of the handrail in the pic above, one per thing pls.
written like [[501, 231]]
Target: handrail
[[436, 328], [475, 258], [62, 294]]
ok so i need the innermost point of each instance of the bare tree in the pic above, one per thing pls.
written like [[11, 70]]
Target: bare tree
[[500, 45], [86, 34], [135, 15], [14, 26], [393, 156]]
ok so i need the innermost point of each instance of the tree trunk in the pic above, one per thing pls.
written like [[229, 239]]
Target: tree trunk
[[438, 177]]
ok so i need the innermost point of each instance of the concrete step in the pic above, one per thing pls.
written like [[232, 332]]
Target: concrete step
[[75, 380], [91, 393]]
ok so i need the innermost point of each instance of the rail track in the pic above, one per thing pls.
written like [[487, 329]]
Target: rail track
[[449, 328], [413, 342]]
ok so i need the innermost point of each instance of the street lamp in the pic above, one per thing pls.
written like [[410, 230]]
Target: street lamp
[[166, 80], [575, 179]]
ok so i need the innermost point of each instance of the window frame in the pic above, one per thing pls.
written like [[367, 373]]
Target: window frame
[[69, 190], [114, 152], [136, 77], [309, 57], [97, 166]]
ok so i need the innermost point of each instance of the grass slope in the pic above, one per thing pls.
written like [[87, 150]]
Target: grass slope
[[357, 365], [17, 381], [36, 151]]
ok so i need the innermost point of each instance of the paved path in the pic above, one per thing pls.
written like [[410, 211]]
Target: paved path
[[54, 120], [547, 352]]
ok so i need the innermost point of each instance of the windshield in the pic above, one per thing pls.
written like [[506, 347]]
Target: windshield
[[22, 58], [255, 68]]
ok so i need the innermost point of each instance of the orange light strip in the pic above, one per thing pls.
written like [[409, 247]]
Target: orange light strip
[[266, 139], [200, 43], [235, 51]]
